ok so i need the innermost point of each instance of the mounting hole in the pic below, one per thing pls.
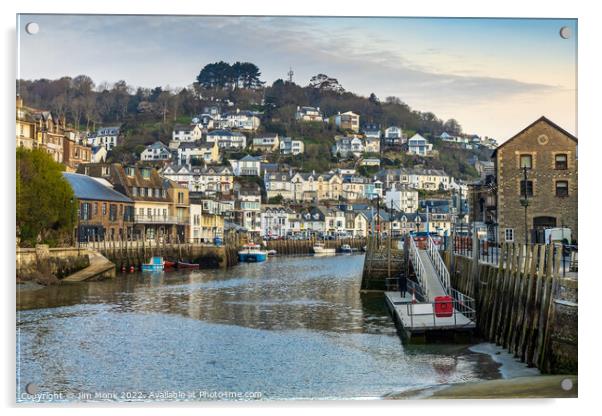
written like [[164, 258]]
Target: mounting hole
[[31, 388], [32, 28], [566, 384], [565, 32]]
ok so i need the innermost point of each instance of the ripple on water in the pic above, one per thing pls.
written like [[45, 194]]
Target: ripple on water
[[289, 328]]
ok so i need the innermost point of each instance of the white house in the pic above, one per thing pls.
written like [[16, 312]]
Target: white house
[[371, 130], [348, 146], [418, 145], [275, 221], [99, 154], [191, 151], [104, 136], [402, 198], [243, 120], [309, 114], [247, 166], [156, 152], [196, 212], [227, 139], [186, 133], [393, 137], [289, 146]]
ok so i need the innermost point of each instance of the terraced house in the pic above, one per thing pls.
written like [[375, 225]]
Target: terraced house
[[104, 214], [154, 211]]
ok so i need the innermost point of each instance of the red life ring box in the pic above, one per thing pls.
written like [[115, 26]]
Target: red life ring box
[[443, 306]]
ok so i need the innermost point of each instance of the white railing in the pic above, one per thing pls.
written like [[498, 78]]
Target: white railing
[[418, 267], [438, 264], [463, 308]]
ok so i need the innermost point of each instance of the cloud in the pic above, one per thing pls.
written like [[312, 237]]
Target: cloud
[[160, 50]]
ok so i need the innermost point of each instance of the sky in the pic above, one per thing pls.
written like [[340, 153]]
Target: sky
[[495, 76]]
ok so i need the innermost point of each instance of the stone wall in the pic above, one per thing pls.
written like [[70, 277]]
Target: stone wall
[[46, 265]]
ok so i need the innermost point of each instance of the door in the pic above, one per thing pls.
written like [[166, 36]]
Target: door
[[540, 224]]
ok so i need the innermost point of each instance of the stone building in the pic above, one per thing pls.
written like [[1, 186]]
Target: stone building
[[104, 214], [550, 155]]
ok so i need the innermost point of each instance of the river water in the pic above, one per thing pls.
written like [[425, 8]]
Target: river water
[[292, 327]]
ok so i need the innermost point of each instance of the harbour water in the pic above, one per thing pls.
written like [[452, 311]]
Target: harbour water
[[292, 327]]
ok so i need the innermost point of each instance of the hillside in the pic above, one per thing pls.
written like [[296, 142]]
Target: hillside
[[147, 115]]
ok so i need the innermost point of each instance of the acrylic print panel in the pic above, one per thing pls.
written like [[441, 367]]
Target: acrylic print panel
[[326, 208]]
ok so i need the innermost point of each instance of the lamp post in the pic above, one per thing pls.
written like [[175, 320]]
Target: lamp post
[[525, 203]]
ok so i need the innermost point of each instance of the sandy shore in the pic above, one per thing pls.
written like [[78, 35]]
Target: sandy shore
[[515, 388]]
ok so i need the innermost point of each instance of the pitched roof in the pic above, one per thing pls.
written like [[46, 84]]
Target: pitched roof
[[540, 119], [86, 187]]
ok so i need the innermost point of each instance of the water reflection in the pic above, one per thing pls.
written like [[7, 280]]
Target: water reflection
[[289, 327]]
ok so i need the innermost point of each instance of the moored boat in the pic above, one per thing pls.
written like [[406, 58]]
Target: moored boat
[[319, 248], [346, 248], [272, 252], [252, 253], [156, 265], [169, 264], [184, 265]]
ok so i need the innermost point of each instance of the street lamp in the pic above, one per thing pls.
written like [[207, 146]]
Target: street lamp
[[525, 203]]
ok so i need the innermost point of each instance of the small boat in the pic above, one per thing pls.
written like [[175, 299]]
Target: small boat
[[252, 253], [319, 248], [156, 265], [272, 252], [184, 265], [346, 248], [169, 264]]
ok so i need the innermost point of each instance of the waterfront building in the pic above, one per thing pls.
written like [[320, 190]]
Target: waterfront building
[[275, 221], [104, 213], [149, 191], [548, 153]]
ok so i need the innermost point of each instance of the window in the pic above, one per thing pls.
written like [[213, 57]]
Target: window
[[157, 193], [104, 208], [562, 188], [149, 212], [134, 191], [526, 161], [95, 208], [560, 162], [509, 235], [528, 187], [112, 212]]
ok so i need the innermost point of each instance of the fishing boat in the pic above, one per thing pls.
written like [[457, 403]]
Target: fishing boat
[[169, 264], [184, 265], [156, 265], [272, 252], [346, 248], [319, 248], [252, 253]]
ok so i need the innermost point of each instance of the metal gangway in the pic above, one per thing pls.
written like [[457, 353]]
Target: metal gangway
[[423, 313]]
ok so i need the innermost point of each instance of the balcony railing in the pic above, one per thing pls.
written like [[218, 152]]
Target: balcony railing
[[161, 219]]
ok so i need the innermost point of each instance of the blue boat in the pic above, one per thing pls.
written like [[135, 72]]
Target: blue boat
[[156, 265], [252, 253]]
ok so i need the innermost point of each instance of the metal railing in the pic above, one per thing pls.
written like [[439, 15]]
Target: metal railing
[[161, 219], [439, 265], [418, 266], [462, 306]]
